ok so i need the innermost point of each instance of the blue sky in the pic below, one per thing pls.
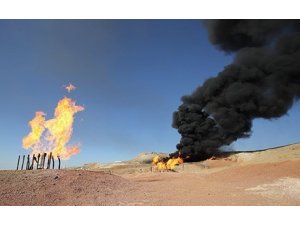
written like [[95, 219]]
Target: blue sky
[[130, 76]]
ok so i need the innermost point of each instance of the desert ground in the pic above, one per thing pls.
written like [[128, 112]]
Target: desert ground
[[268, 177]]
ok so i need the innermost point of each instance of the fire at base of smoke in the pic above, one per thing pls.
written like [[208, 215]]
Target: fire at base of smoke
[[262, 82]]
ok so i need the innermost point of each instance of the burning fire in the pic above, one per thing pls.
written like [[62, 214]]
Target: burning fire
[[70, 88], [170, 164], [53, 135]]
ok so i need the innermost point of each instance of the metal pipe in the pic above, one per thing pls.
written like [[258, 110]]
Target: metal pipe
[[28, 162], [58, 161], [38, 161], [44, 159], [41, 162], [18, 162], [23, 162], [52, 161], [32, 164], [49, 160]]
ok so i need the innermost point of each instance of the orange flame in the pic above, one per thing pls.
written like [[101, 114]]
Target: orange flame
[[37, 128], [53, 135], [168, 165]]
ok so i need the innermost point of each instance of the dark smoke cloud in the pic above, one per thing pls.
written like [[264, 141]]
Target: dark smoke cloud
[[262, 82]]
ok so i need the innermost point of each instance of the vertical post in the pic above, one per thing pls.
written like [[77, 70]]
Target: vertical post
[[41, 162], [58, 161], [23, 162], [32, 164], [44, 159], [52, 161], [28, 162], [18, 162], [49, 161], [38, 162]]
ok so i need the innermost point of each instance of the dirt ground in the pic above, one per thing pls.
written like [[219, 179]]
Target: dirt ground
[[234, 180]]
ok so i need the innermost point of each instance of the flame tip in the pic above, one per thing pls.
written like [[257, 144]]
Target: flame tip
[[70, 87]]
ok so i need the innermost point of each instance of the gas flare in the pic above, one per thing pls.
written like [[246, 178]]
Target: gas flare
[[53, 135], [37, 128]]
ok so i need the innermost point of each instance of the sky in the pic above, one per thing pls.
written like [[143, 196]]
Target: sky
[[130, 76]]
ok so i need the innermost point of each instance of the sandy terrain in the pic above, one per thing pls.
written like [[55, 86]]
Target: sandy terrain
[[260, 178]]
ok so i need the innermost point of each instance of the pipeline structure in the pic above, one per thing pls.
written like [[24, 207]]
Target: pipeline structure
[[38, 162]]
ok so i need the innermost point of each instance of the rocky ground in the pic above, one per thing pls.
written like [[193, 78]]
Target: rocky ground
[[270, 177]]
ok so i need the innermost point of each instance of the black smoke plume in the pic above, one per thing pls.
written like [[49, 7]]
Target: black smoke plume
[[262, 82]]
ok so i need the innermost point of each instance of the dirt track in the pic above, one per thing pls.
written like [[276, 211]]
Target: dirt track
[[260, 184]]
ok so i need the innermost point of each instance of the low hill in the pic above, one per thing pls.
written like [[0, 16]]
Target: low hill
[[142, 162]]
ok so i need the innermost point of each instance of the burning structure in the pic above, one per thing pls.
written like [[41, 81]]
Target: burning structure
[[50, 137], [262, 82]]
